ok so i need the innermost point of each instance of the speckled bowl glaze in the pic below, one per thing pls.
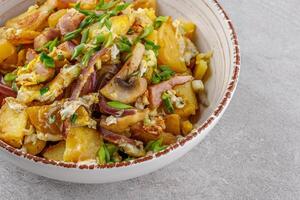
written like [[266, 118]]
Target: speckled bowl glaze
[[215, 32]]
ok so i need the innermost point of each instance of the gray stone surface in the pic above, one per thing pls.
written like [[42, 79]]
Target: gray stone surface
[[253, 153]]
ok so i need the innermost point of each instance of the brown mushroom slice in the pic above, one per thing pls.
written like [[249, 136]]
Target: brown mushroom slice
[[133, 148], [156, 91], [119, 88], [123, 123]]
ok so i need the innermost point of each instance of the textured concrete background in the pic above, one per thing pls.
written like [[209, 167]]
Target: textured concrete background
[[253, 153]]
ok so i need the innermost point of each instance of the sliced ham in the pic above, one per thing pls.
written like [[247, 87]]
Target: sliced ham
[[30, 55], [70, 21], [156, 91], [67, 49], [131, 147], [46, 36]]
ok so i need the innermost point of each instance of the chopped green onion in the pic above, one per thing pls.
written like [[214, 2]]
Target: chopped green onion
[[159, 21], [103, 154], [149, 45], [155, 146], [77, 51], [108, 23], [147, 31], [14, 86], [167, 102], [53, 44], [87, 21], [109, 40], [118, 9], [52, 119], [9, 77], [86, 58], [74, 118], [164, 74], [118, 105], [124, 45], [72, 35], [100, 39], [47, 60], [44, 90], [85, 36], [85, 12], [102, 5]]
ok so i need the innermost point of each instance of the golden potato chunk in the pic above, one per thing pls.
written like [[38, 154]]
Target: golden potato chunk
[[54, 18], [55, 152], [145, 4], [169, 52], [187, 93], [173, 124], [82, 144], [6, 50], [186, 127], [34, 147], [12, 125], [120, 24]]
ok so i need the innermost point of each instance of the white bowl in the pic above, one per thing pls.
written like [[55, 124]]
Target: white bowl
[[215, 32]]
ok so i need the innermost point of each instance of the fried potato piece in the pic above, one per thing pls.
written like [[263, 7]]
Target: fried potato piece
[[82, 144], [34, 147], [6, 49], [35, 18], [124, 123], [12, 125], [173, 124], [169, 52], [55, 152], [145, 4], [187, 93]]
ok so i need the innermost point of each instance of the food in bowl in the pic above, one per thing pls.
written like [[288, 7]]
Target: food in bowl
[[98, 81]]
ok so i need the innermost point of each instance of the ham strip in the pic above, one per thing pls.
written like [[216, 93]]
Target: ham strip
[[156, 91], [70, 21]]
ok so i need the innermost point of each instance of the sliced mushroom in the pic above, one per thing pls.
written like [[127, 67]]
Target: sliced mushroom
[[123, 88], [123, 123], [156, 91]]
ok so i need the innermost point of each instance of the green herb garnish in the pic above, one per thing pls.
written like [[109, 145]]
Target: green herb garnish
[[103, 154], [47, 60], [149, 45], [72, 35], [85, 12], [87, 21], [100, 39], [74, 118], [44, 90], [53, 44], [155, 146], [52, 119], [167, 102], [109, 40], [124, 44], [164, 74], [102, 5], [77, 51], [159, 21], [118, 9], [86, 58], [108, 23], [85, 36], [118, 105], [9, 77]]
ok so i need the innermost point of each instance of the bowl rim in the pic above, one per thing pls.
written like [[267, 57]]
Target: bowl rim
[[231, 87]]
